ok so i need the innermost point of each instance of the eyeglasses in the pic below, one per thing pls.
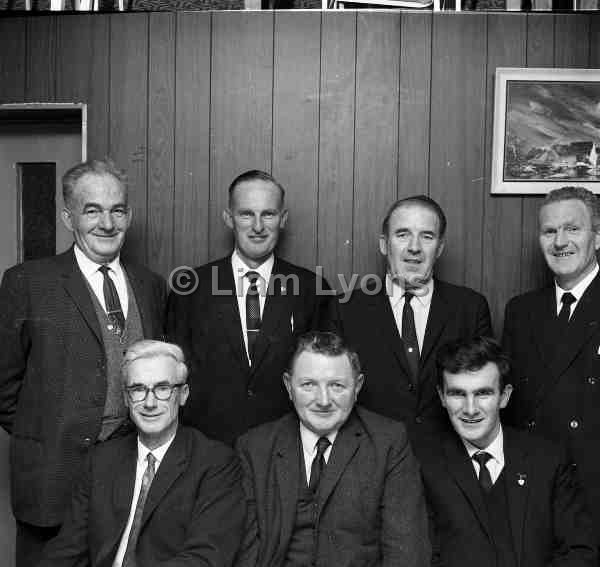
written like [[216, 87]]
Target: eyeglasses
[[161, 392]]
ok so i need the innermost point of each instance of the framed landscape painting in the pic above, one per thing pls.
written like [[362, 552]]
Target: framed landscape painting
[[546, 130]]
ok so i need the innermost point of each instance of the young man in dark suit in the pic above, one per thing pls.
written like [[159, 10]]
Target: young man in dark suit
[[553, 338], [398, 327], [239, 324], [498, 496], [165, 496], [331, 484], [64, 324]]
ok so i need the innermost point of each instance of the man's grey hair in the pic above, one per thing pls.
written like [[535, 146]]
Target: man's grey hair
[[95, 166], [154, 349], [591, 201]]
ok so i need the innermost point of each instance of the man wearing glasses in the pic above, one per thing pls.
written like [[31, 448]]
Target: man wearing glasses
[[65, 322], [165, 496]]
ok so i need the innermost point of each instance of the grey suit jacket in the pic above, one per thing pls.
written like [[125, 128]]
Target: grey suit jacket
[[371, 510]]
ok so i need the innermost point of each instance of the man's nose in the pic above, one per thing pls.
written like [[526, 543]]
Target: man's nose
[[561, 239], [414, 244], [258, 224], [323, 396], [470, 406], [150, 400], [106, 220]]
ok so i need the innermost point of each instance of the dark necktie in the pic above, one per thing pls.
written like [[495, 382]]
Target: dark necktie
[[565, 311], [318, 464], [129, 557], [116, 318], [409, 337], [485, 479], [252, 312]]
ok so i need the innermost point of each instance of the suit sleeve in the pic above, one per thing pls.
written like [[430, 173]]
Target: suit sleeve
[[248, 553], [216, 527], [574, 541], [483, 320], [404, 528], [510, 414], [70, 547], [15, 343], [177, 323]]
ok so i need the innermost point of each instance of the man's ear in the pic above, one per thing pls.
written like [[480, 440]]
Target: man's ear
[[184, 392], [383, 244], [284, 218], [67, 219], [228, 218], [360, 380], [441, 395], [505, 396], [440, 249], [287, 382]]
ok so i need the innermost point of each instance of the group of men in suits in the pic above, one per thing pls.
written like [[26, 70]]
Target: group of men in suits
[[67, 322]]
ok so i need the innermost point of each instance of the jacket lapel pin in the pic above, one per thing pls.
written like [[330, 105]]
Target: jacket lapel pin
[[292, 322], [521, 479]]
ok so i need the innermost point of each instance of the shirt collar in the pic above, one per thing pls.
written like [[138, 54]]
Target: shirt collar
[[395, 291], [309, 439], [89, 267], [579, 289], [495, 448], [240, 269], [159, 452]]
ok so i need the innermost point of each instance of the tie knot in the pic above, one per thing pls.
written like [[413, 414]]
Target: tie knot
[[567, 298], [252, 276], [408, 296], [481, 457], [322, 445], [151, 460], [104, 269]]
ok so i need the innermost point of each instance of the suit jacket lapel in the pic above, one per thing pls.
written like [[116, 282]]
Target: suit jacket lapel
[[172, 466], [517, 487], [285, 488], [439, 312], [461, 469], [277, 312], [142, 296], [543, 312], [344, 447]]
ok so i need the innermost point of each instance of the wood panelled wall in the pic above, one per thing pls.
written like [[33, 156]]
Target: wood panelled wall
[[349, 110]]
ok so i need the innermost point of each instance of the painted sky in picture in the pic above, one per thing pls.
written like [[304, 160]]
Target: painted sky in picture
[[552, 130]]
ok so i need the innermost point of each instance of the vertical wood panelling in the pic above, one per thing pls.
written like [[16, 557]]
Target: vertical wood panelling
[[296, 128], [41, 56], [376, 133], [595, 42], [413, 126], [128, 118], [13, 34], [241, 108], [336, 144], [540, 48], [161, 116], [502, 213], [457, 138], [192, 139], [82, 73], [572, 41]]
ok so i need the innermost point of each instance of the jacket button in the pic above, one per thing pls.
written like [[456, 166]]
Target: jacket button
[[531, 424], [411, 387], [418, 419], [250, 392], [591, 381], [573, 424], [87, 441]]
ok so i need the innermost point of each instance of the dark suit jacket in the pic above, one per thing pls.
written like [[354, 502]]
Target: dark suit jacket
[[556, 378], [546, 510], [52, 375], [227, 396], [367, 322], [371, 510], [193, 516]]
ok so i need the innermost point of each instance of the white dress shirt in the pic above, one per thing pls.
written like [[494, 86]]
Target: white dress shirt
[[142, 463], [242, 284], [95, 279], [309, 447], [495, 449], [577, 291], [420, 304]]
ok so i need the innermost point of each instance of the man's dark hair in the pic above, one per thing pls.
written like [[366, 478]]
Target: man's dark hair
[[470, 355], [96, 167], [327, 344], [591, 201], [421, 200], [254, 175]]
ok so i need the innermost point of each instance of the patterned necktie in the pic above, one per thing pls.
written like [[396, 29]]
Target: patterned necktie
[[565, 311], [129, 557], [252, 312], [318, 464], [409, 337], [485, 479], [116, 318]]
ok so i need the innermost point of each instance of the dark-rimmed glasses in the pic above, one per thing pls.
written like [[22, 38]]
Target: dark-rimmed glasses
[[162, 391]]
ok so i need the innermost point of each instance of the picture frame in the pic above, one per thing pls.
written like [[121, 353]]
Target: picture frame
[[546, 130]]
